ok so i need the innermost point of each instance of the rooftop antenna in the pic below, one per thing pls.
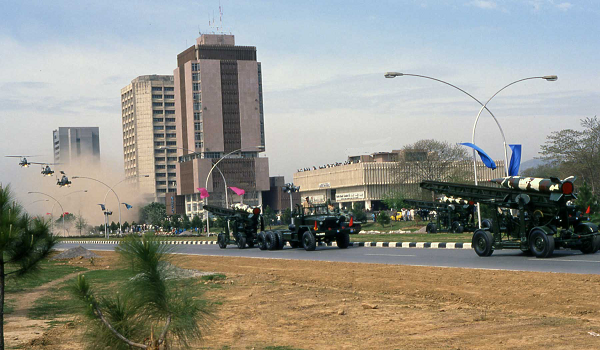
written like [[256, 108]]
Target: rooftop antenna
[[218, 28]]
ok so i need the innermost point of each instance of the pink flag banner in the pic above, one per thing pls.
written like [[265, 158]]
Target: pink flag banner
[[238, 191], [203, 192]]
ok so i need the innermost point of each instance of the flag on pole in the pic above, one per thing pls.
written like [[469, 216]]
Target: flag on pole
[[127, 206], [515, 160], [102, 206], [238, 191], [588, 210], [203, 192], [487, 160]]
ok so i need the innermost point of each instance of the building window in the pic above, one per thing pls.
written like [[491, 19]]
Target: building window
[[198, 126], [198, 136], [197, 106], [161, 190], [159, 159], [157, 88], [158, 127], [157, 120], [171, 127], [157, 112], [199, 144], [171, 166], [195, 86], [172, 174], [161, 182], [159, 150], [171, 150], [195, 67], [197, 96], [214, 155], [171, 159], [195, 76], [169, 112], [157, 96], [159, 143], [167, 88], [158, 136], [157, 104], [171, 135], [169, 97], [161, 175], [170, 120], [197, 115], [171, 143], [169, 104], [161, 167]]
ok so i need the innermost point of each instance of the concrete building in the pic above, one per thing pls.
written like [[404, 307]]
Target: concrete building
[[76, 146], [369, 178], [219, 110], [149, 134], [278, 199]]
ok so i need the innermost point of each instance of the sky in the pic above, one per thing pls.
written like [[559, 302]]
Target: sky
[[63, 63]]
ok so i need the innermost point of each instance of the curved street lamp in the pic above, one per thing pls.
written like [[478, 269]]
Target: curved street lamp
[[60, 205], [110, 188], [260, 147]]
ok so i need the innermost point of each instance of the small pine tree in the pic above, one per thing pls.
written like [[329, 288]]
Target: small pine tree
[[383, 218]]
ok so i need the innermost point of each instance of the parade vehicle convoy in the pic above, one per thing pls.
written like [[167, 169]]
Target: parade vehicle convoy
[[534, 215], [454, 215], [242, 228], [311, 226]]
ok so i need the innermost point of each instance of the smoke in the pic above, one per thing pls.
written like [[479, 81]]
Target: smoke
[[74, 199]]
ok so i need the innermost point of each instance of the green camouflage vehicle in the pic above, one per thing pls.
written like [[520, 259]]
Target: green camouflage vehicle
[[243, 224]]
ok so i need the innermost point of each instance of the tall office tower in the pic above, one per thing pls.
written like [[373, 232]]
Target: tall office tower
[[149, 137], [219, 110], [76, 146]]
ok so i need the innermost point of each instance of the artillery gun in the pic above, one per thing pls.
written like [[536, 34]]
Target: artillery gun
[[244, 225], [310, 226], [452, 214], [531, 214]]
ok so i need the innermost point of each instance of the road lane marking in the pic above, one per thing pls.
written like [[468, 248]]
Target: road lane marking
[[388, 255], [560, 260]]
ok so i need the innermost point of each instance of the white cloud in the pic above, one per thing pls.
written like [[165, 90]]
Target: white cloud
[[565, 6], [488, 5]]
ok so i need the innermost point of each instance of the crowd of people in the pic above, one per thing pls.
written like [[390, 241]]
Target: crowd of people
[[332, 165]]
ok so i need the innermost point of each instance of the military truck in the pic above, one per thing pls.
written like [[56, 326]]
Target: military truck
[[454, 215], [310, 226], [244, 222], [534, 215]]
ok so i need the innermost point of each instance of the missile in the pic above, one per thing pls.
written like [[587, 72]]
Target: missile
[[537, 184]]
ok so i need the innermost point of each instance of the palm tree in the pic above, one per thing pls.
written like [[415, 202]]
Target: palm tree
[[24, 242], [150, 303]]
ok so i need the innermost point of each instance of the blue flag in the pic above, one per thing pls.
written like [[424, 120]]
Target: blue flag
[[515, 160], [487, 160], [102, 206], [127, 206]]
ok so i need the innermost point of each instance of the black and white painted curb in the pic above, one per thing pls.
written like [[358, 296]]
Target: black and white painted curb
[[431, 245]]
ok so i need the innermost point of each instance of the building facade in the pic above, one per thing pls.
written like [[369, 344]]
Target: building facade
[[219, 113], [76, 146], [369, 179], [149, 134], [276, 198]]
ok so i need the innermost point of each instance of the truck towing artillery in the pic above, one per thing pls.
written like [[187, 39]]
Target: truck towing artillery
[[309, 227], [244, 225], [452, 214], [531, 214]]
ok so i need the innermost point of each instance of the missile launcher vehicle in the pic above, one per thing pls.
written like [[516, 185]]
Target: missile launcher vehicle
[[244, 224], [311, 226], [530, 214]]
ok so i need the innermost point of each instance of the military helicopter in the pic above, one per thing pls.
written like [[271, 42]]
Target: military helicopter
[[64, 180], [46, 170], [24, 163]]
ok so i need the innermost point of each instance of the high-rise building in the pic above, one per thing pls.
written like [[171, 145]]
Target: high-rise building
[[76, 146], [219, 110], [149, 134]]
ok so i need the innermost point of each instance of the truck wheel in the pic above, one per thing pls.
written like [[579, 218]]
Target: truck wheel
[[541, 244], [483, 242], [431, 228], [271, 240], [222, 241], [262, 244], [457, 227], [343, 240], [309, 241], [591, 246], [241, 241], [280, 241], [486, 224]]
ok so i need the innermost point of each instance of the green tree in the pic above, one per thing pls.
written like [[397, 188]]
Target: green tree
[[175, 222], [358, 212], [113, 226], [394, 200], [80, 224], [150, 312], [542, 170], [576, 152], [125, 226], [153, 214], [383, 218], [24, 242], [286, 216], [185, 223], [197, 223], [269, 215], [586, 199]]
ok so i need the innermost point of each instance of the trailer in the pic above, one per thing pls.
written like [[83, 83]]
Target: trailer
[[244, 224]]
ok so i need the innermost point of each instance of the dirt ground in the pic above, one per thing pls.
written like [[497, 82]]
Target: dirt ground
[[327, 305]]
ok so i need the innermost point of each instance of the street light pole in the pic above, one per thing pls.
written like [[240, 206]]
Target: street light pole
[[60, 205], [113, 191], [210, 172]]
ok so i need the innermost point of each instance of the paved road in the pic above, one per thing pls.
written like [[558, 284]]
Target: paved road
[[562, 261]]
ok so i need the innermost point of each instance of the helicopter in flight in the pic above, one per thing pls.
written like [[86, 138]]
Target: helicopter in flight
[[23, 162], [64, 180], [46, 170]]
